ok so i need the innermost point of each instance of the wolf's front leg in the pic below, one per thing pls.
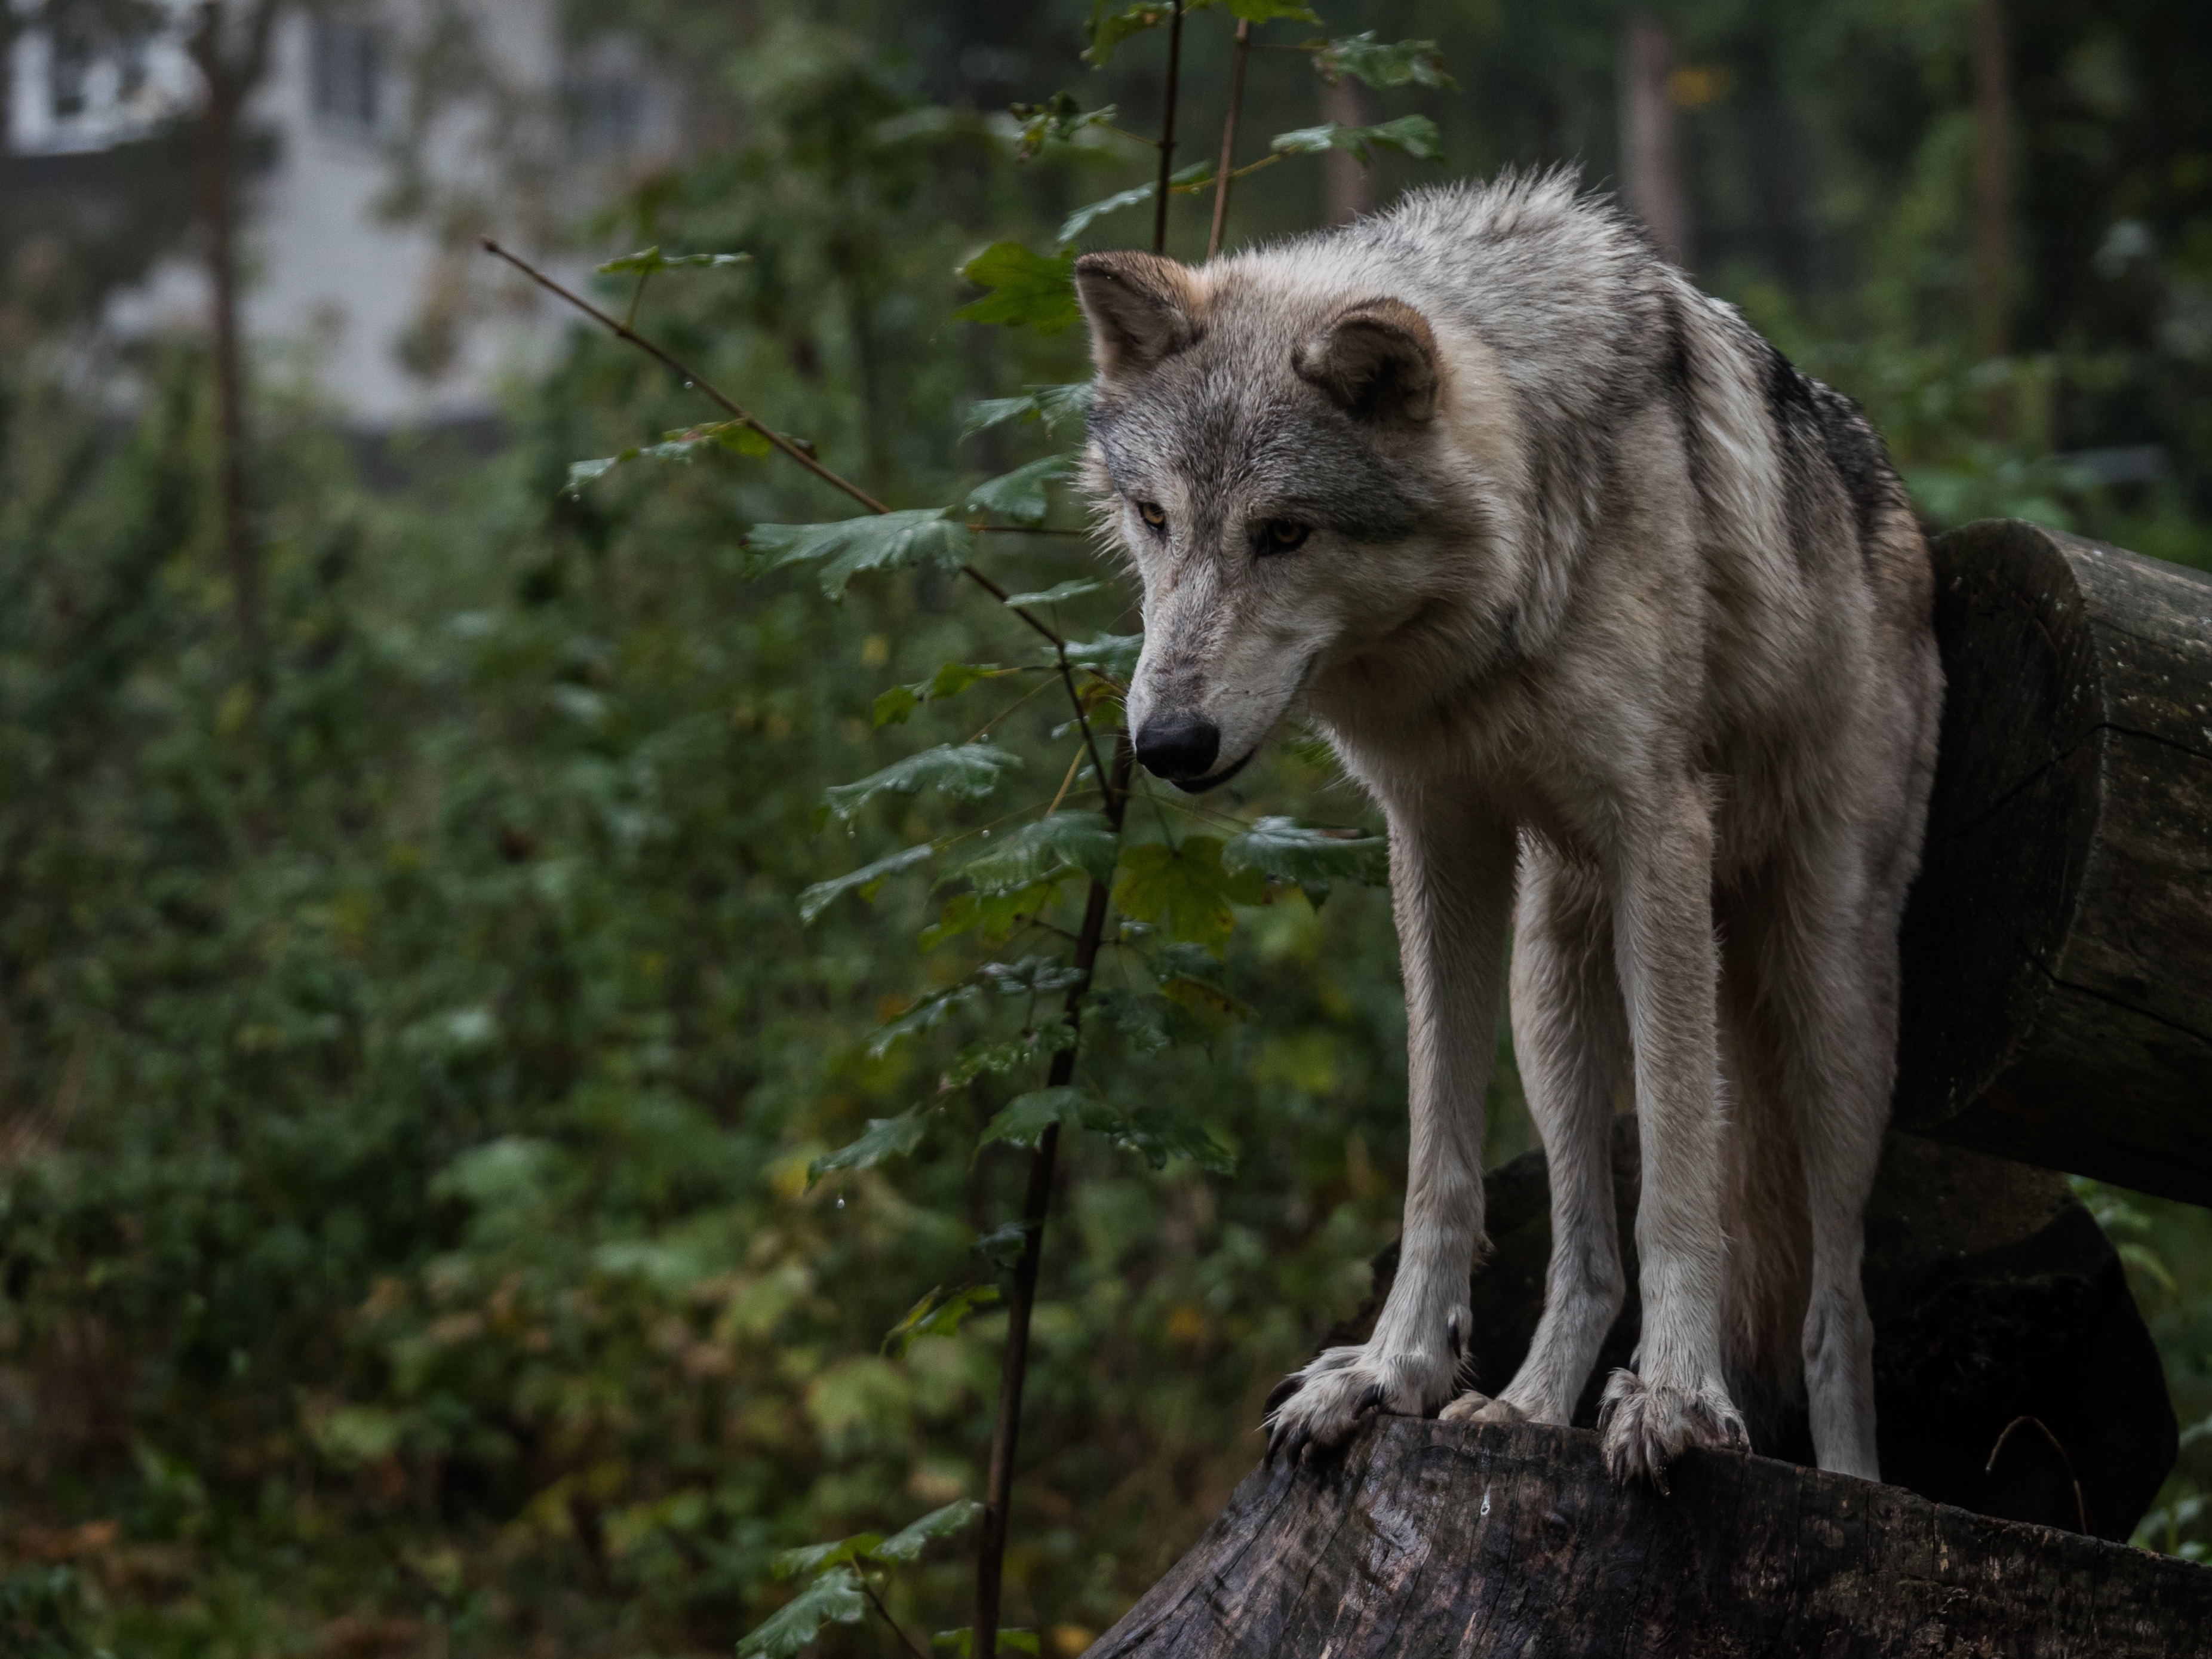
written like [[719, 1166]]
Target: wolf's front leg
[[1451, 883], [1663, 940]]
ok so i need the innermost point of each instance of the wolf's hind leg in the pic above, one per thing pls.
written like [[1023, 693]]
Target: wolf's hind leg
[[1828, 961], [1571, 1039]]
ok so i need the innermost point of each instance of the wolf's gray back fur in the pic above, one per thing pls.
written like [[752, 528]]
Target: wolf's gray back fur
[[1625, 623]]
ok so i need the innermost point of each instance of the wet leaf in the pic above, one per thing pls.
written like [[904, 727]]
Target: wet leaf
[[1058, 119], [887, 1136], [867, 881], [1283, 849], [935, 1315], [1023, 1118], [1060, 592], [1190, 178], [1186, 889], [1414, 134], [1111, 655], [949, 1521], [1019, 495], [1028, 290], [1401, 63], [964, 771], [1082, 840], [1052, 404], [833, 1598], [878, 541], [648, 261]]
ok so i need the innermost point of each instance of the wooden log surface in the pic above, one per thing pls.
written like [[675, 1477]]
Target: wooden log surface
[[1433, 1539], [2057, 949], [1995, 1298]]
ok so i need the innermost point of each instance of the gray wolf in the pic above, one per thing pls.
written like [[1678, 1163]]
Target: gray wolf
[[1624, 624]]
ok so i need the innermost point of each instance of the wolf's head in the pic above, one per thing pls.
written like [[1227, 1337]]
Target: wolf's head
[[1267, 449]]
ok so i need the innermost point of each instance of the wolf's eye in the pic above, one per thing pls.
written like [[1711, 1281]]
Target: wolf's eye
[[1153, 514], [1283, 535]]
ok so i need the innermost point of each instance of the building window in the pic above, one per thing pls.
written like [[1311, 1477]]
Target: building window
[[349, 55], [68, 71]]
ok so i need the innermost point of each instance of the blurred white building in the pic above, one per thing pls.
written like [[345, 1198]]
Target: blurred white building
[[506, 127]]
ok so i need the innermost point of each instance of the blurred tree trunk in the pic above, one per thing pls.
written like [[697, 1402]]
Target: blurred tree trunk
[[1992, 200], [1651, 181], [232, 52], [1346, 192]]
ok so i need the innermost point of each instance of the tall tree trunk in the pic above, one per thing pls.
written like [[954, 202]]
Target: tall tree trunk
[[1992, 192], [1652, 182], [1346, 190], [230, 61]]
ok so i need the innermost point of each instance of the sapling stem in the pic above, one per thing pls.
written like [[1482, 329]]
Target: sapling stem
[[1036, 1202], [1225, 175]]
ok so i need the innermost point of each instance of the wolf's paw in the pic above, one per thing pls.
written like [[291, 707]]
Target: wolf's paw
[[1320, 1406], [1643, 1428], [1471, 1407]]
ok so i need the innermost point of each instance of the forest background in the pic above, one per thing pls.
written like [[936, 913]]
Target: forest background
[[412, 1053]]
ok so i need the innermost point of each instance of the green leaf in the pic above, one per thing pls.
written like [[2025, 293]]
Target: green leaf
[[649, 261], [887, 1136], [1157, 1135], [1110, 27], [1059, 119], [931, 1316], [833, 1598], [1019, 494], [1190, 178], [880, 541], [924, 1016], [949, 1521], [1111, 656], [960, 1644], [1060, 592], [1187, 889], [867, 881], [1052, 404], [1269, 11], [1403, 63], [1085, 840], [814, 1558], [1010, 1055], [1003, 1246], [1204, 999], [893, 706], [965, 771], [1414, 134], [1031, 977], [1028, 290], [1283, 849], [1024, 1118]]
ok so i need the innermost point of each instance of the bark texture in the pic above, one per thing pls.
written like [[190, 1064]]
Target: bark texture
[[1431, 1538], [2058, 1002]]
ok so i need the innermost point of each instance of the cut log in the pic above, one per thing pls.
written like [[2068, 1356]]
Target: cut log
[[1434, 1538], [1996, 1298], [2057, 950]]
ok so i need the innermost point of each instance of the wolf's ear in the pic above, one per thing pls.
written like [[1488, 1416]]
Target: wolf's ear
[[1378, 361], [1142, 308]]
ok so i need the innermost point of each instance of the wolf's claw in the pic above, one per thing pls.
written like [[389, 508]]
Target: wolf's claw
[[1643, 1428], [1320, 1406]]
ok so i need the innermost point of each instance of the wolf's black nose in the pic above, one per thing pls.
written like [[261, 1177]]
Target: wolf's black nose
[[1178, 750]]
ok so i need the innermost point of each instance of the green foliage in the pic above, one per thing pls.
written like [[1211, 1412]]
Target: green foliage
[[1060, 119], [874, 542], [887, 1136], [1052, 404], [1020, 496], [964, 771], [1028, 290], [1416, 134], [1193, 177], [650, 262], [937, 1314], [1403, 63], [833, 1598]]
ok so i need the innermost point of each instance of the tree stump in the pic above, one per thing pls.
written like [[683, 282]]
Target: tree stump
[[1433, 1539], [2057, 950]]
